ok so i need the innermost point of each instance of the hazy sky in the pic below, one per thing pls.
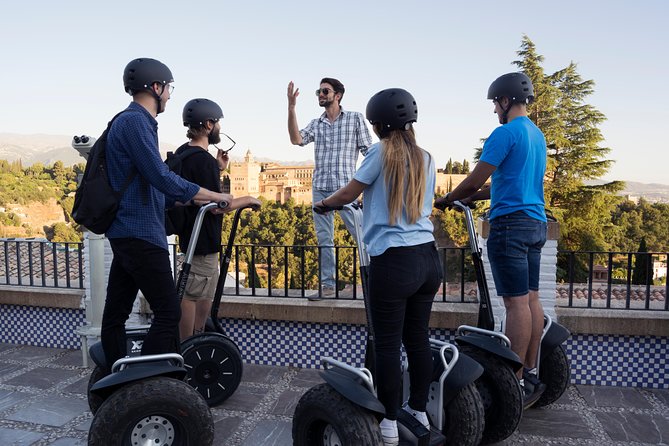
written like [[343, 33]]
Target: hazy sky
[[62, 65]]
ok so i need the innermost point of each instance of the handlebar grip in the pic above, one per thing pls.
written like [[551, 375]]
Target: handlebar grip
[[320, 210], [223, 204]]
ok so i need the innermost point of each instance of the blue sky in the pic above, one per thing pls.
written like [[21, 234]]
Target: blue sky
[[62, 65]]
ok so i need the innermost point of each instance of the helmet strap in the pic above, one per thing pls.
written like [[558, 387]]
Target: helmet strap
[[505, 114], [157, 97]]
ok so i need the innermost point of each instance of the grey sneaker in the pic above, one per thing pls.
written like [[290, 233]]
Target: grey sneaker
[[328, 292]]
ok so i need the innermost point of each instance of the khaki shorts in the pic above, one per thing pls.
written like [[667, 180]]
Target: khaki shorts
[[203, 277]]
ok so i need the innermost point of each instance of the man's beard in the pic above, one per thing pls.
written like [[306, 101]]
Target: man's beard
[[325, 103], [214, 137]]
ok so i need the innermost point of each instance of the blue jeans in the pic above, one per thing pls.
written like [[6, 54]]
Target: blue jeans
[[402, 284], [514, 249], [324, 225]]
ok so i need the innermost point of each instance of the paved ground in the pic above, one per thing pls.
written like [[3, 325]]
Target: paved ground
[[43, 402]]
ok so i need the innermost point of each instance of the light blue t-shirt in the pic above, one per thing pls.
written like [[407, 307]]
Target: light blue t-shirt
[[378, 235], [518, 151]]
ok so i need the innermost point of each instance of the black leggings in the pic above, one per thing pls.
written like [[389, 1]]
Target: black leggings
[[403, 282], [140, 265]]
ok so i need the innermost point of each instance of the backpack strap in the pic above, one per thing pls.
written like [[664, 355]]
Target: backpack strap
[[103, 154]]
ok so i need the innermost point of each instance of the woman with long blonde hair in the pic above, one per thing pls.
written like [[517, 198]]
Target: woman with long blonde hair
[[397, 180]]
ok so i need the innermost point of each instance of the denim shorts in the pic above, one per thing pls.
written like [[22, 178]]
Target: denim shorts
[[514, 249]]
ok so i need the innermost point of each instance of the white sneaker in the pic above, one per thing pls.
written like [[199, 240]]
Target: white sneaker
[[389, 432], [420, 416]]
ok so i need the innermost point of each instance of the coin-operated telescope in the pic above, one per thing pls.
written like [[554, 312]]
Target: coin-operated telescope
[[83, 144]]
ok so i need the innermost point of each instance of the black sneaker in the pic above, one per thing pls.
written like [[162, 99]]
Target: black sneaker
[[532, 389]]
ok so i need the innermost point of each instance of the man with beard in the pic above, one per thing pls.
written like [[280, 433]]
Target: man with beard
[[202, 117], [338, 136], [137, 234]]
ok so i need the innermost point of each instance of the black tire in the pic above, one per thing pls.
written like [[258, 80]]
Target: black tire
[[554, 371], [500, 393], [95, 401], [325, 418], [167, 411], [214, 366], [464, 418]]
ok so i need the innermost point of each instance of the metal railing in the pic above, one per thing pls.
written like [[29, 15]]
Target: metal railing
[[292, 271], [613, 280], [41, 263], [586, 279]]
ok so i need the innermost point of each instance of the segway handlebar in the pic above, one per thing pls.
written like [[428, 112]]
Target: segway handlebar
[[469, 221], [325, 209], [486, 318]]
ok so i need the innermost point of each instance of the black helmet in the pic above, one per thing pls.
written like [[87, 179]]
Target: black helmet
[[515, 86], [393, 108], [198, 111], [141, 73]]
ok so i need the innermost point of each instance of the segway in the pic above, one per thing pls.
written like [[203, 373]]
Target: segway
[[211, 359], [345, 410], [498, 385], [144, 400], [552, 362]]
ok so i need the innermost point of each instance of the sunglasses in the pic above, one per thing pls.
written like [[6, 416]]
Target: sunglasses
[[325, 91], [231, 140]]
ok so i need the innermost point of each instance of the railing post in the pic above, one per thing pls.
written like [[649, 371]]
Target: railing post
[[96, 267]]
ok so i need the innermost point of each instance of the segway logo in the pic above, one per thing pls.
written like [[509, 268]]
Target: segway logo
[[136, 346]]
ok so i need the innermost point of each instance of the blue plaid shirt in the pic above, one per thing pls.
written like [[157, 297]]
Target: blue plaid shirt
[[337, 145], [132, 143]]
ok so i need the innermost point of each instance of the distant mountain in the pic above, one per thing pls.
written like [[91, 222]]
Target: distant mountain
[[47, 149], [31, 149], [651, 192]]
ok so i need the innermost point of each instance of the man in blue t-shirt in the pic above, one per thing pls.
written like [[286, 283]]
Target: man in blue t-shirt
[[515, 157]]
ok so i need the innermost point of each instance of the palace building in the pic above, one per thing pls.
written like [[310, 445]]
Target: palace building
[[280, 183]]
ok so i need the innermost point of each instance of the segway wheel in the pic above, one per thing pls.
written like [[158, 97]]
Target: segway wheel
[[325, 418], [95, 401], [554, 371], [159, 411], [214, 366], [500, 393], [464, 419]]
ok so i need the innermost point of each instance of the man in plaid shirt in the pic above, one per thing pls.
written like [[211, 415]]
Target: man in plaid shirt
[[338, 137]]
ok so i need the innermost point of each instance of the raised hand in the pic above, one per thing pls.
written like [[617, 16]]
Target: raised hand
[[293, 93]]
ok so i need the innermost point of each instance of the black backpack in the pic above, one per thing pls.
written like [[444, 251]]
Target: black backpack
[[176, 221], [96, 202]]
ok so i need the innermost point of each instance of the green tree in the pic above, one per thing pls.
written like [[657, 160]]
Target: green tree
[[643, 265], [634, 221], [61, 232], [465, 166], [573, 137], [449, 167], [58, 172]]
